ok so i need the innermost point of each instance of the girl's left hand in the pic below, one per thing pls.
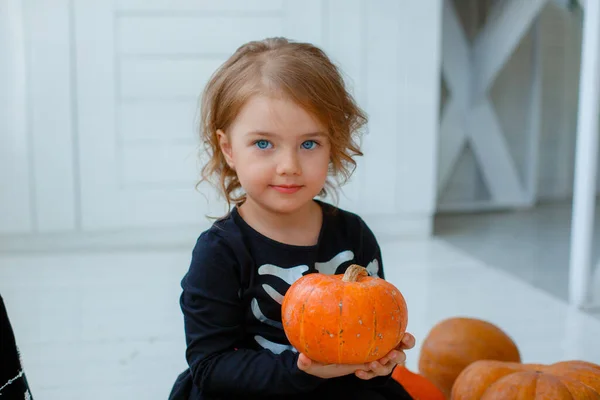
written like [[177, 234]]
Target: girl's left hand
[[386, 364]]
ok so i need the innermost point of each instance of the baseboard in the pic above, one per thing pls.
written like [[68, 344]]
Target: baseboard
[[400, 225], [183, 237], [124, 240]]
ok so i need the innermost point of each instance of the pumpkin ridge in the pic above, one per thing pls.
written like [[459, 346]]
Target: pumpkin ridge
[[595, 390], [566, 378], [535, 382], [561, 379], [577, 366], [302, 318], [567, 387], [340, 330], [374, 326], [374, 341], [401, 328]]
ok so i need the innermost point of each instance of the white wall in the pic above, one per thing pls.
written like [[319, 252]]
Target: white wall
[[15, 191], [98, 125], [36, 136], [560, 49]]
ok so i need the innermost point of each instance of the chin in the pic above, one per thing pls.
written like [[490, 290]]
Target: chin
[[285, 206]]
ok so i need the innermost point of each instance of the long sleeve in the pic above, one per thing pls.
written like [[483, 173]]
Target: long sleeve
[[369, 253], [214, 324]]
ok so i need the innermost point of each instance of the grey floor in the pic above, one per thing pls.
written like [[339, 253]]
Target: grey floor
[[532, 245]]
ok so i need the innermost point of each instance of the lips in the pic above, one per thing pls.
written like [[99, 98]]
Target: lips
[[287, 189]]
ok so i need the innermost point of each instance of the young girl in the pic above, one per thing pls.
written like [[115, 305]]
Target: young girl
[[277, 123]]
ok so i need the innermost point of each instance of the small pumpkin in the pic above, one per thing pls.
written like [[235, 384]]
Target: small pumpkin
[[491, 380], [349, 318], [419, 387], [454, 343]]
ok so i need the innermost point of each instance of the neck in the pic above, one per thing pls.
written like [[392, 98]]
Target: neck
[[283, 227]]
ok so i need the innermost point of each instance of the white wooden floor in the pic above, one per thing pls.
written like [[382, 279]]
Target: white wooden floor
[[532, 245], [108, 326]]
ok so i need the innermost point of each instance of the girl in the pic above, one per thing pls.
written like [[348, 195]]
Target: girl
[[277, 122]]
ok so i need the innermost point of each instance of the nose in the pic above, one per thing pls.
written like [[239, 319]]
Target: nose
[[289, 163]]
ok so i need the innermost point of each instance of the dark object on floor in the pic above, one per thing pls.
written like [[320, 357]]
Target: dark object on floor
[[13, 383]]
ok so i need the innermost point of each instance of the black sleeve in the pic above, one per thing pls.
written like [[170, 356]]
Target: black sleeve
[[369, 250], [214, 317]]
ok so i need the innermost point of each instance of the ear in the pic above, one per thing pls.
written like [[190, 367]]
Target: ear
[[225, 146]]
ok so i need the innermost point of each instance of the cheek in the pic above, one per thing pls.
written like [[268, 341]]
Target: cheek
[[317, 165], [250, 168], [256, 171]]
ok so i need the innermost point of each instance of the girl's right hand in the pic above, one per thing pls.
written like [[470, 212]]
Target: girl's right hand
[[327, 371]]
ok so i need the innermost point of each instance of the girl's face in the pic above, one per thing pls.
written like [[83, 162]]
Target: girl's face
[[279, 151]]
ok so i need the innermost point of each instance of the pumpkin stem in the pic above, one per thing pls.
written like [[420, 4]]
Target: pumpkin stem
[[353, 272]]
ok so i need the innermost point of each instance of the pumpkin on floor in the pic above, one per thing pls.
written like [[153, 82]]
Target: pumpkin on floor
[[349, 318], [491, 380], [419, 387], [454, 343]]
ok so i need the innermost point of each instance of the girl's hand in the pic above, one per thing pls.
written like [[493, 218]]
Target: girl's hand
[[327, 371], [386, 364]]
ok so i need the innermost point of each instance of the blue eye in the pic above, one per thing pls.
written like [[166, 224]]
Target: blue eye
[[262, 144], [309, 144]]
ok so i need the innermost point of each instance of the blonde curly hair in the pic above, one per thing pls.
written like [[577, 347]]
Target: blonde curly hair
[[304, 74]]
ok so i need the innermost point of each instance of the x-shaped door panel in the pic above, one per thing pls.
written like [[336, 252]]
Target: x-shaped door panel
[[469, 115]]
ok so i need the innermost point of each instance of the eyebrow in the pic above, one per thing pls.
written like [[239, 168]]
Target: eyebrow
[[271, 134]]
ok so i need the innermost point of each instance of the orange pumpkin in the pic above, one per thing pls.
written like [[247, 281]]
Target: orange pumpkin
[[454, 343], [491, 380], [419, 387], [344, 319]]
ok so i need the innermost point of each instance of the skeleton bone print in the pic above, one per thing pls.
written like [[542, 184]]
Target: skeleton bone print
[[289, 276]]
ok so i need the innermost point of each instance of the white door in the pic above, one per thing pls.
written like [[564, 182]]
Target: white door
[[140, 68]]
